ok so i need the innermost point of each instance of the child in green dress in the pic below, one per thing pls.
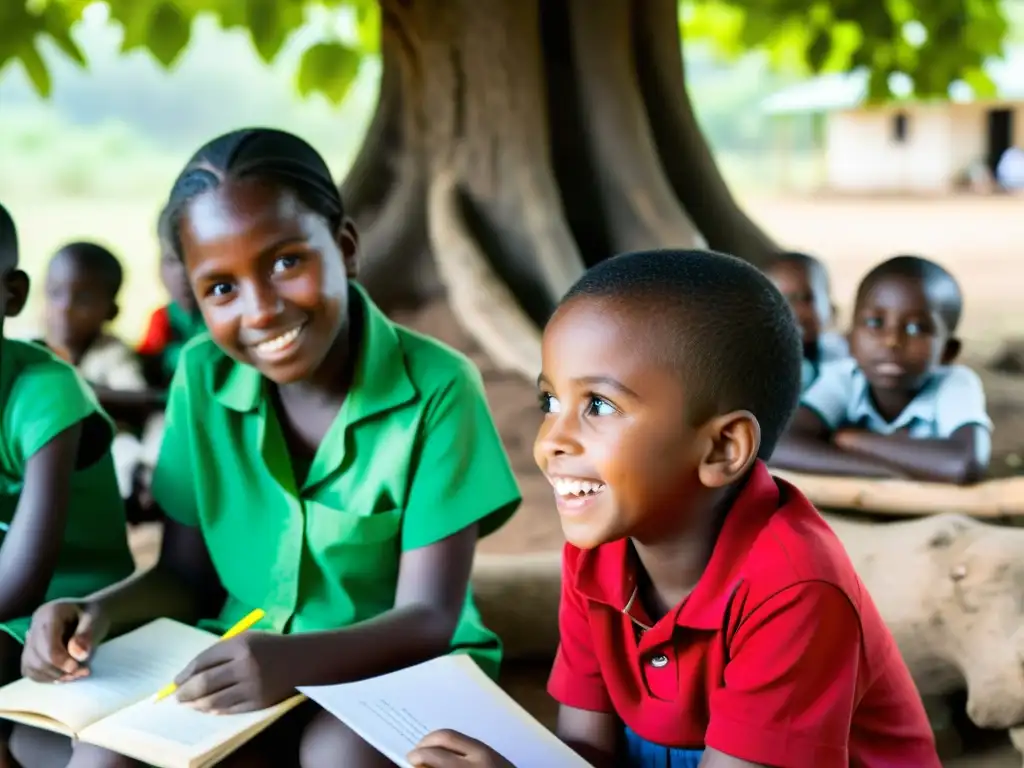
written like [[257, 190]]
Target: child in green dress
[[62, 526], [319, 462]]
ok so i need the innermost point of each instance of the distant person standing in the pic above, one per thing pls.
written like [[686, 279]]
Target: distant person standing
[[1010, 170]]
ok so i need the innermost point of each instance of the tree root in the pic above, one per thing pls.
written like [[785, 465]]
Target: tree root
[[482, 302], [396, 267]]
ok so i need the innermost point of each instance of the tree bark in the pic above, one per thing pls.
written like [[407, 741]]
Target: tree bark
[[686, 156], [385, 194], [517, 142], [637, 202]]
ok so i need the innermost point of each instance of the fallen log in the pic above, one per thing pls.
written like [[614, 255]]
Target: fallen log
[[994, 499]]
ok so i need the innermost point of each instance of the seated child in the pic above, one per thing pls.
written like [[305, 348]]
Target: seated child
[[174, 324], [898, 407], [709, 616], [803, 280], [82, 284], [318, 462], [62, 526]]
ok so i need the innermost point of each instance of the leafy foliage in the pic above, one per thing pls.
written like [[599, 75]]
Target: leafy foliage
[[932, 43], [348, 31], [928, 43]]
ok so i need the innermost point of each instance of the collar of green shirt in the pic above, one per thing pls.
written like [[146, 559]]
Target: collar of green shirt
[[185, 324], [381, 381]]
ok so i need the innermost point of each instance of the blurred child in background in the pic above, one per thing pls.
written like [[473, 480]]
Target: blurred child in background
[[174, 324], [82, 284], [899, 407], [803, 280]]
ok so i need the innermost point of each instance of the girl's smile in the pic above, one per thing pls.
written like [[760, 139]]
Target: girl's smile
[[281, 346]]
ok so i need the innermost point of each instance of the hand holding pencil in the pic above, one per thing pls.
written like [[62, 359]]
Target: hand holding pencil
[[244, 671], [245, 624]]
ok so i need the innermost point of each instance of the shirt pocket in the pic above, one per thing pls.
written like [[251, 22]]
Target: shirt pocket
[[352, 547]]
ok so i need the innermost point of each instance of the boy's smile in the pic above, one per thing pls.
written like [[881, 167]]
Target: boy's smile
[[270, 277], [898, 337], [615, 443]]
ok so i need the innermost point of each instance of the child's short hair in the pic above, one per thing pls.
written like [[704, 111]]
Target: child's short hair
[[940, 286], [97, 260], [262, 153], [731, 334], [814, 266], [8, 239]]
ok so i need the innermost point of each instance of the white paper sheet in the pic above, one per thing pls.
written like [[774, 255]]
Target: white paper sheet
[[393, 712]]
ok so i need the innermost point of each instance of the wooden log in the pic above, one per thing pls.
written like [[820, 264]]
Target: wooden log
[[993, 499]]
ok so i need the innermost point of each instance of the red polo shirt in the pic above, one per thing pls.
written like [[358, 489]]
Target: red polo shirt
[[778, 656]]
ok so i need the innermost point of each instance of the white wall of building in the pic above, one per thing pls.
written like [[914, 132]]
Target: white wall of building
[[863, 153]]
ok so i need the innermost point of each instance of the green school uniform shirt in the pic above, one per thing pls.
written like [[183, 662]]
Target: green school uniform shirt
[[411, 458], [40, 397]]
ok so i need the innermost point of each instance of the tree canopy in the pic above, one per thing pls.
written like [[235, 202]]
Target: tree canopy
[[927, 45]]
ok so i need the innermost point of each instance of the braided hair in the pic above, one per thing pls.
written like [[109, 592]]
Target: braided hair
[[254, 153]]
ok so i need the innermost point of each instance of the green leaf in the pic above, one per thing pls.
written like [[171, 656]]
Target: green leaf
[[57, 21], [330, 69], [233, 13], [270, 23], [980, 83], [134, 18], [169, 33], [368, 26], [36, 70], [818, 50]]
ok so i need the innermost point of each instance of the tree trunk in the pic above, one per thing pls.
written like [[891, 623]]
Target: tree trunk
[[516, 142]]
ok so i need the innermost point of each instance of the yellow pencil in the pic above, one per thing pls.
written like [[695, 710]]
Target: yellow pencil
[[247, 623]]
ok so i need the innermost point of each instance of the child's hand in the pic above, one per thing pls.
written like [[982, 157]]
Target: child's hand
[[243, 674], [47, 658], [846, 438], [450, 749]]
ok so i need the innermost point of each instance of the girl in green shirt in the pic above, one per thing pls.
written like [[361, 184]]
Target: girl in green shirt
[[62, 525], [319, 462]]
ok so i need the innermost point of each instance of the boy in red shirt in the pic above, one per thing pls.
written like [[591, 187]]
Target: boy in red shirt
[[709, 616]]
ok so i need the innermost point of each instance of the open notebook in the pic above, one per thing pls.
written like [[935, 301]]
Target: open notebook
[[114, 708], [394, 711]]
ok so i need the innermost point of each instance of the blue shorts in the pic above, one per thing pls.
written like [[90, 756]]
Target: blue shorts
[[644, 754]]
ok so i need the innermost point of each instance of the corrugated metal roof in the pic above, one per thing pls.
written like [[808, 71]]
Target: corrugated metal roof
[[838, 91]]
